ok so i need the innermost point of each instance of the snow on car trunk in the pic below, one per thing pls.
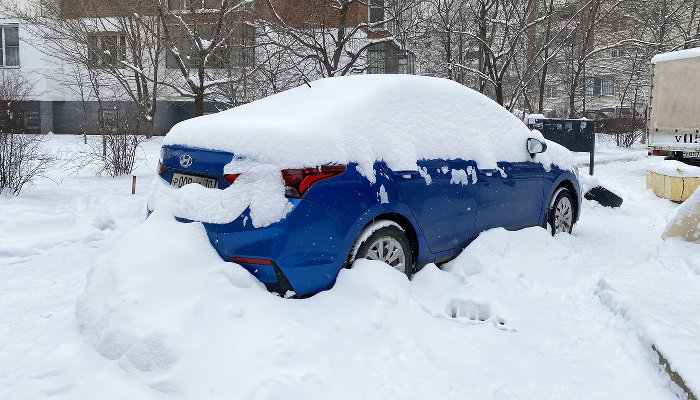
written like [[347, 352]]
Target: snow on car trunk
[[259, 187]]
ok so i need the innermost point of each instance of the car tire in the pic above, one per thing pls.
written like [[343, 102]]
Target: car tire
[[379, 244], [560, 214]]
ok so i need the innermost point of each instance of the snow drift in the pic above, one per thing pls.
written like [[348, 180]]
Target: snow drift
[[686, 223], [181, 321]]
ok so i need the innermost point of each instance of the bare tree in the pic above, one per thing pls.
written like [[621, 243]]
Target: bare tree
[[443, 22], [582, 46], [13, 85], [668, 24], [500, 43], [203, 40], [113, 57], [329, 37], [22, 158]]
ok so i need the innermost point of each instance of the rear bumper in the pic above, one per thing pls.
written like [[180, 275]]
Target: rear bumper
[[306, 249]]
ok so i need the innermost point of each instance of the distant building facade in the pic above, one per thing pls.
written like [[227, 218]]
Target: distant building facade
[[56, 102]]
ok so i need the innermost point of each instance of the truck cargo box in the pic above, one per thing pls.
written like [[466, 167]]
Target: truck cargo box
[[673, 116]]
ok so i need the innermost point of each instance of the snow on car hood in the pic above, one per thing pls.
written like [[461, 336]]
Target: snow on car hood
[[365, 118]]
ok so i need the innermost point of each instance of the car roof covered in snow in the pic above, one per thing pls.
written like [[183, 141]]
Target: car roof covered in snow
[[364, 118]]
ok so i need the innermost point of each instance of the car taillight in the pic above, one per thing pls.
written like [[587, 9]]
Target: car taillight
[[659, 153], [230, 178], [298, 181], [161, 168], [248, 260]]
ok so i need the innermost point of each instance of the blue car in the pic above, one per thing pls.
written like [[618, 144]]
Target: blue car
[[404, 217]]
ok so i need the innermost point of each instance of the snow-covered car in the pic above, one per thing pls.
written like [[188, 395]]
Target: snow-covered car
[[403, 169]]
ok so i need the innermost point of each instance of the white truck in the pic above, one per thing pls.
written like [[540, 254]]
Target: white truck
[[673, 114]]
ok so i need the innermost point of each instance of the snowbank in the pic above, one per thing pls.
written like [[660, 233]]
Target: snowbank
[[676, 55], [660, 299], [686, 223], [441, 339], [145, 288], [181, 321], [395, 118]]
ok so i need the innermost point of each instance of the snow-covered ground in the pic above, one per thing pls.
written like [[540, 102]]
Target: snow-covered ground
[[518, 315], [607, 151]]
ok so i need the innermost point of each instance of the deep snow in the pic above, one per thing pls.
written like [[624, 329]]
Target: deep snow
[[518, 315]]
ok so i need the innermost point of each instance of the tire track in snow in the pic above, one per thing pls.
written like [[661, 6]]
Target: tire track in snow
[[676, 383]]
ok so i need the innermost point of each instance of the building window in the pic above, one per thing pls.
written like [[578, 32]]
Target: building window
[[387, 58], [588, 87], [376, 61], [179, 41], [243, 46], [32, 120], [607, 86], [184, 5], [600, 86], [106, 49], [550, 91], [236, 51], [108, 118], [376, 11], [407, 63], [617, 53], [9, 46]]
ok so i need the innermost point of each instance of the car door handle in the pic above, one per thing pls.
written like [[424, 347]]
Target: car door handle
[[406, 174]]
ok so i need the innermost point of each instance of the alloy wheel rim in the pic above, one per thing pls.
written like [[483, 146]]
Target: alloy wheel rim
[[388, 250], [563, 216]]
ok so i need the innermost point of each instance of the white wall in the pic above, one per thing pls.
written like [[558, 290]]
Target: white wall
[[34, 66]]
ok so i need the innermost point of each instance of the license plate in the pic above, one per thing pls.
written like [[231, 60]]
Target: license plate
[[691, 154], [180, 180]]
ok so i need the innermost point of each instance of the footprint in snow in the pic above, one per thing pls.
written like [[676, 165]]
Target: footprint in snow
[[469, 311]]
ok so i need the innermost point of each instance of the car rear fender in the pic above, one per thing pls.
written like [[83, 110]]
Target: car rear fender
[[401, 214]]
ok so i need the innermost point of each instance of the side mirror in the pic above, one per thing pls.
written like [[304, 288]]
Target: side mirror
[[535, 146]]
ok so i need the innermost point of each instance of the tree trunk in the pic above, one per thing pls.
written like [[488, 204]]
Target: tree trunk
[[148, 121], [540, 105], [499, 91], [199, 103], [450, 67]]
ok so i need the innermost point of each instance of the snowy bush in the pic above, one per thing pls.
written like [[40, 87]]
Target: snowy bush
[[629, 138], [114, 153], [21, 160], [626, 130], [14, 86]]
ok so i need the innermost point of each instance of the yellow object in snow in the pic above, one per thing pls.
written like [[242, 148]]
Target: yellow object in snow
[[674, 188]]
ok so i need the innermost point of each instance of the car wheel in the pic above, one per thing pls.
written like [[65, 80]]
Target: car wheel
[[386, 243], [560, 215]]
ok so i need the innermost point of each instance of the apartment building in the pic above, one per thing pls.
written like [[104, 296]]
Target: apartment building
[[75, 93]]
